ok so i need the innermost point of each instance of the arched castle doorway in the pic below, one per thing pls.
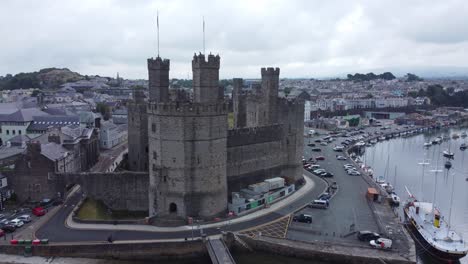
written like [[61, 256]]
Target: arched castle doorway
[[172, 208]]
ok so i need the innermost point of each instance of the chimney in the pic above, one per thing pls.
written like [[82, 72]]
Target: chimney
[[54, 138]]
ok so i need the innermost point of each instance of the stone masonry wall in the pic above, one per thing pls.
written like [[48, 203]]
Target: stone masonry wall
[[119, 191]]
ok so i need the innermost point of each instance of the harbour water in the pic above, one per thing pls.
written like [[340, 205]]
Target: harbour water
[[399, 161]]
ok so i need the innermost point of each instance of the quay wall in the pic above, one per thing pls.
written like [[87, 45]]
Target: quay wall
[[324, 252], [122, 251]]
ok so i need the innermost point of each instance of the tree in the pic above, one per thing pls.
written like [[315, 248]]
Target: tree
[[413, 78], [35, 93]]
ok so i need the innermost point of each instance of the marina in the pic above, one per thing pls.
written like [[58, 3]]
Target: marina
[[436, 175]]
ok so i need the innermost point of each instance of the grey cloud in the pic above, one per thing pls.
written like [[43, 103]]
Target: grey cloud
[[305, 38]]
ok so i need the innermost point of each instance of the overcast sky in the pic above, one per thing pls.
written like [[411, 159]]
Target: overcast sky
[[305, 38]]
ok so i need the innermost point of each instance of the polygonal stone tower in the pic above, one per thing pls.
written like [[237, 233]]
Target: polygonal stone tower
[[188, 149]]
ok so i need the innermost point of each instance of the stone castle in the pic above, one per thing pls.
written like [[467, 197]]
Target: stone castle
[[193, 159]]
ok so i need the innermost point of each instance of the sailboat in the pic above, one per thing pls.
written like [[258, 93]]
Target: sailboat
[[448, 154], [429, 228], [394, 199], [463, 146], [448, 164]]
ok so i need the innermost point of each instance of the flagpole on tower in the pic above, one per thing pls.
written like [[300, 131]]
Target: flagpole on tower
[[157, 25], [203, 35]]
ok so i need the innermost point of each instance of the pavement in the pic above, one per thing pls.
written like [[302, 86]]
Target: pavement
[[58, 228], [16, 259]]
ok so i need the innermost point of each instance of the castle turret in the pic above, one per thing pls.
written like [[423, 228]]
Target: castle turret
[[138, 132], [205, 78], [238, 103], [158, 74], [270, 84]]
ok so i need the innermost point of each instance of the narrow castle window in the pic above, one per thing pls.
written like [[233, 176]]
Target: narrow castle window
[[153, 127], [155, 156]]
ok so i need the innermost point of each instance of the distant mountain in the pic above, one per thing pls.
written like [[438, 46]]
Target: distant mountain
[[45, 78]]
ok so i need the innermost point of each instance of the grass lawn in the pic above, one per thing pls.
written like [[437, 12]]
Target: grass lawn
[[96, 210]]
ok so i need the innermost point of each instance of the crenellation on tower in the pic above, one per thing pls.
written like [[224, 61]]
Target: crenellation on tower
[[270, 71]]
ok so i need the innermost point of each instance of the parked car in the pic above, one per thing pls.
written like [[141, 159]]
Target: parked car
[[39, 211], [311, 145], [303, 218], [340, 157], [318, 140], [24, 218], [320, 158], [2, 233], [318, 171], [17, 222], [354, 173], [324, 144], [383, 243], [367, 235], [8, 228], [324, 196], [326, 174], [316, 149], [319, 204]]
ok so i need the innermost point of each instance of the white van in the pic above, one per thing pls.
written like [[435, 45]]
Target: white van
[[383, 243], [24, 218], [320, 204]]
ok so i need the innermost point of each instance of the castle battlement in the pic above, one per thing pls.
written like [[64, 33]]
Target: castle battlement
[[270, 71], [158, 64], [188, 108], [254, 135], [199, 61]]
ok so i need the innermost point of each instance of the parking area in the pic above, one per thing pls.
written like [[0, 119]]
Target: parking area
[[348, 210], [21, 223]]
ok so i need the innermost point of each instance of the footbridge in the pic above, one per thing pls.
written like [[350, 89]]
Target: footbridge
[[218, 251]]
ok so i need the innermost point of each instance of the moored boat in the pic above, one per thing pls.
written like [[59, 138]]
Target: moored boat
[[427, 144], [463, 134], [430, 230], [448, 154], [455, 136], [463, 146]]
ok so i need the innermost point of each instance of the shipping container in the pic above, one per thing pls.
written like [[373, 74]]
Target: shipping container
[[275, 183]]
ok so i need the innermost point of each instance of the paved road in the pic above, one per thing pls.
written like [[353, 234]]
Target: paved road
[[56, 231]]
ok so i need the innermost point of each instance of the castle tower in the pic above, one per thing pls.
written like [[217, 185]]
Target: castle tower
[[188, 150], [158, 75], [205, 78], [138, 133], [238, 104], [269, 88]]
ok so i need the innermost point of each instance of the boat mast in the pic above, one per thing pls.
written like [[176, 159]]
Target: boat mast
[[451, 202], [435, 171], [424, 163]]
